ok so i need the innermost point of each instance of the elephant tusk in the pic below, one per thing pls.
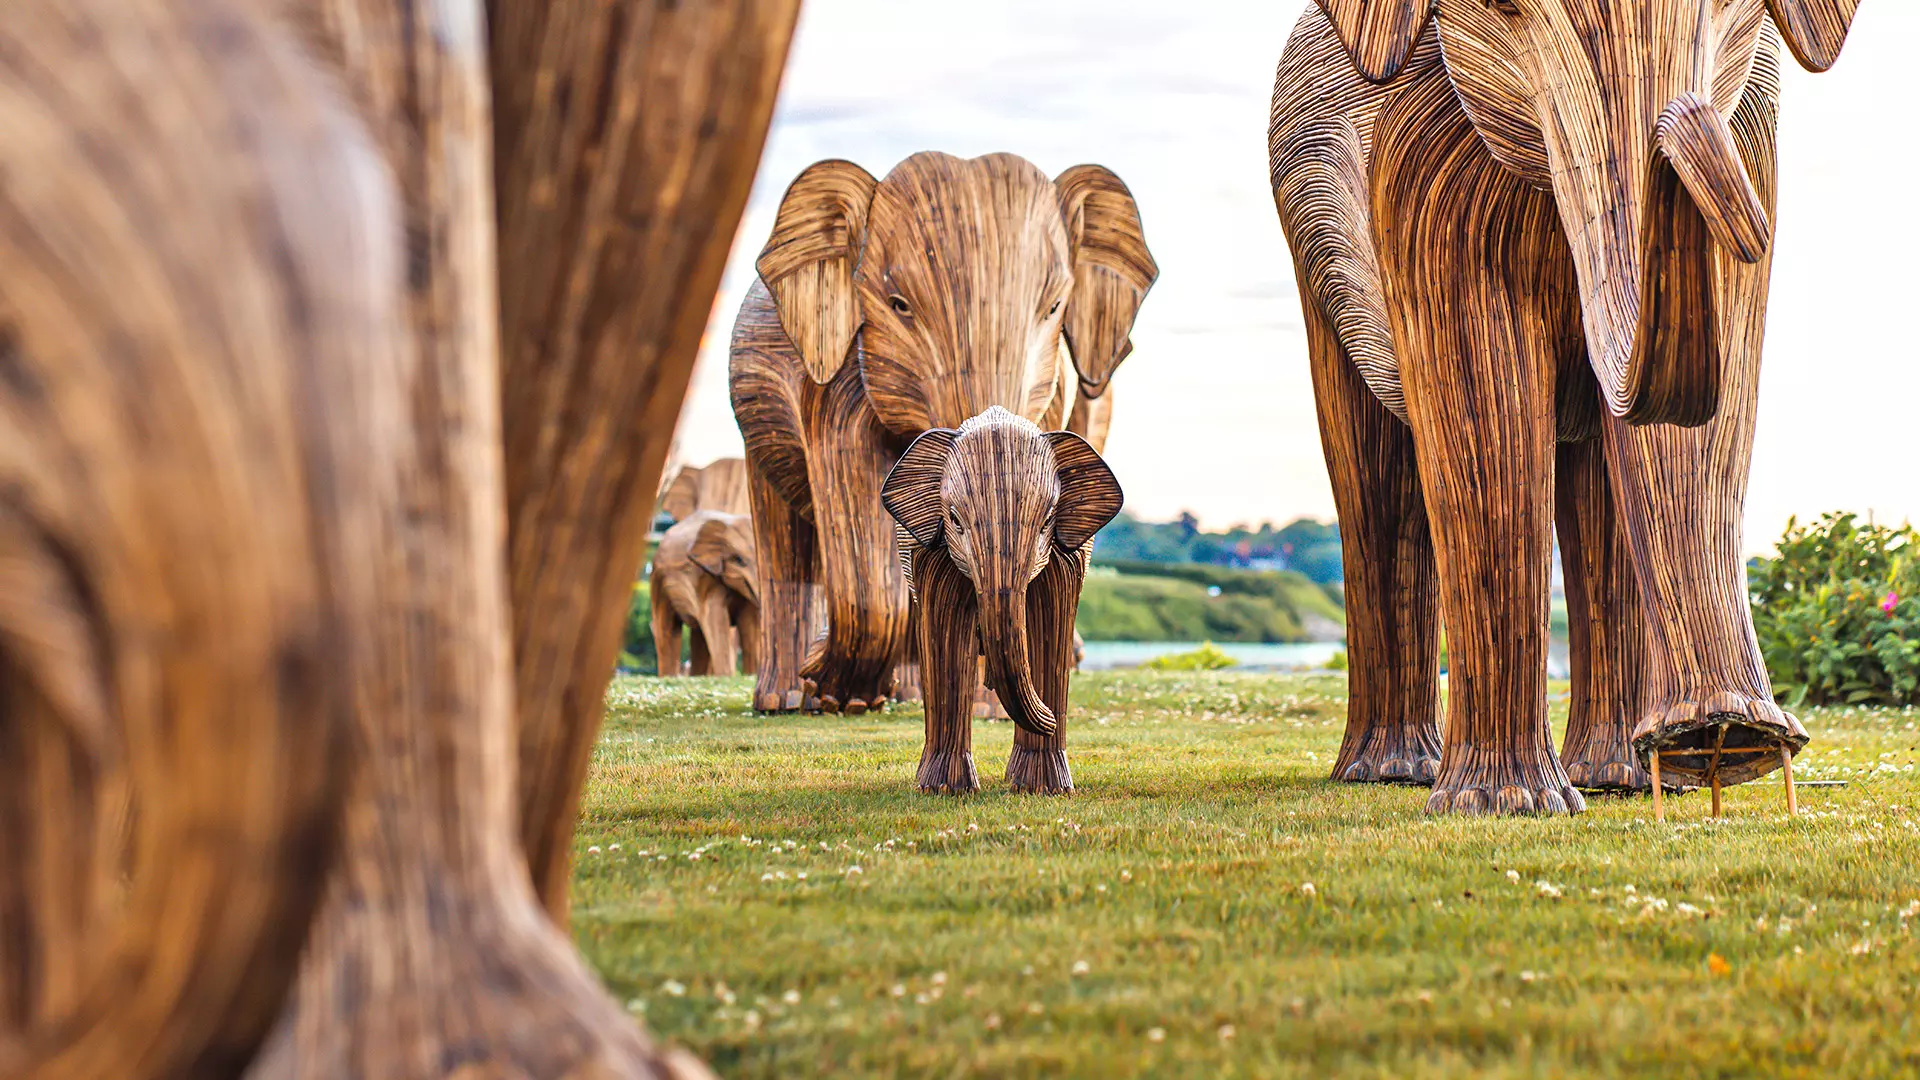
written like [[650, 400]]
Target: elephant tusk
[[1698, 142]]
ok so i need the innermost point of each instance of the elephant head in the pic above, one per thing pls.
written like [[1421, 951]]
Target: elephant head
[[1619, 107], [1002, 499], [953, 281], [723, 547]]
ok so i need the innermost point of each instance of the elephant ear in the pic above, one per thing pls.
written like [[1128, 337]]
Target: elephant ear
[[912, 490], [1815, 29], [711, 544], [1379, 35], [808, 263], [1112, 270], [1089, 495]]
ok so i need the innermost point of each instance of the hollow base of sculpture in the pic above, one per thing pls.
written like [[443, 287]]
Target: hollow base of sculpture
[[1500, 781], [1728, 736], [1039, 771]]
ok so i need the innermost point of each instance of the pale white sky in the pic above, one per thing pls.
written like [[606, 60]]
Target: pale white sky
[[1214, 410]]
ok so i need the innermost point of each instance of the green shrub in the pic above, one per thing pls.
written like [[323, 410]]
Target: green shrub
[[1205, 658], [1338, 661], [1837, 612]]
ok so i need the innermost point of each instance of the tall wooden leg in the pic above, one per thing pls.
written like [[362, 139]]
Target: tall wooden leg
[[1659, 804], [1605, 632], [1393, 645], [626, 134], [784, 547], [433, 955], [949, 647], [1481, 295]]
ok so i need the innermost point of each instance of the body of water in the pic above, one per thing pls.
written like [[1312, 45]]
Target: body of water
[[1103, 655]]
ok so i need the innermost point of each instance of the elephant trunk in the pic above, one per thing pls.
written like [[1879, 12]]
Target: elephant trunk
[[1643, 237], [1003, 638]]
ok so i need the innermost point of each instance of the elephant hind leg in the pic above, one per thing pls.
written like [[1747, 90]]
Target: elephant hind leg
[[666, 627], [1605, 630], [1387, 553]]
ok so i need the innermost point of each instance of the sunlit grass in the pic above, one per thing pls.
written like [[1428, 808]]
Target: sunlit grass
[[770, 892]]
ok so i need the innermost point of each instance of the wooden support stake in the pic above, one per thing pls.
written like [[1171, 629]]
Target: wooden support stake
[[1786, 770], [1713, 769], [1659, 807]]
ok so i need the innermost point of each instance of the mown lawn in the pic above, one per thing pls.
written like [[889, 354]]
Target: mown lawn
[[781, 901]]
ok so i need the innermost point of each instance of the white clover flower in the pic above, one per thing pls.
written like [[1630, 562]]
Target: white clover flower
[[1307, 889], [1081, 967], [1156, 1034], [674, 988]]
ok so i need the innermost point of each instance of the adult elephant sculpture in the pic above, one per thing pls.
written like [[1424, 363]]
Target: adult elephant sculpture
[[1503, 219], [704, 575], [884, 309], [1001, 516]]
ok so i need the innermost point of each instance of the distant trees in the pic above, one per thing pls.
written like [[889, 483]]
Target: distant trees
[[1311, 548]]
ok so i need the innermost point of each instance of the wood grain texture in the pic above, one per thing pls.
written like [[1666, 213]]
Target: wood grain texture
[[1378, 35], [626, 137], [1606, 630], [970, 282], [1815, 29], [999, 516], [719, 485], [704, 579], [198, 331], [433, 955]]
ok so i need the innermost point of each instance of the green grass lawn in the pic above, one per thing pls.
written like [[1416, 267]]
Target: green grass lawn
[[1208, 904]]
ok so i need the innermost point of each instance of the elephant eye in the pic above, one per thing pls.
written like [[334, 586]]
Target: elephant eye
[[953, 522], [1054, 310], [899, 304]]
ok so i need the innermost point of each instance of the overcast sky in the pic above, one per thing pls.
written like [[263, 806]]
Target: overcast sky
[[1214, 410]]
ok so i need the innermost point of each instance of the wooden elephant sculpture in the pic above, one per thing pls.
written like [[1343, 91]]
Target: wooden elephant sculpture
[[1001, 516], [704, 577], [317, 521], [885, 309], [1531, 240], [718, 485]]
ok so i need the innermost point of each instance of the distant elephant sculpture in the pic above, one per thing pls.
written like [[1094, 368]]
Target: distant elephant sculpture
[[885, 309], [718, 485], [1516, 224], [1001, 515], [704, 576]]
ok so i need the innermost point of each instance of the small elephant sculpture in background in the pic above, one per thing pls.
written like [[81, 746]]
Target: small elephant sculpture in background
[[1000, 517], [704, 577]]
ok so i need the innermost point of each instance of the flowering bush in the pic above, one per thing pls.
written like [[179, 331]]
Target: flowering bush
[[1838, 613]]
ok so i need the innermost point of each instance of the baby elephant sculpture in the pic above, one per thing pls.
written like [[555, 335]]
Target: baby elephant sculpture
[[704, 577], [1000, 516]]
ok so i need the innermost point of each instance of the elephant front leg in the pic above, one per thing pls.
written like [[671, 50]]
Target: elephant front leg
[[1481, 296], [1393, 648], [716, 634], [948, 647], [1039, 762], [1605, 630], [851, 669]]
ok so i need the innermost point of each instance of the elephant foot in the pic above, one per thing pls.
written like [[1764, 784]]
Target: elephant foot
[[1384, 761], [853, 703], [948, 772], [1502, 782], [383, 995], [1735, 734], [770, 696], [1042, 772], [846, 687], [1604, 761], [906, 682]]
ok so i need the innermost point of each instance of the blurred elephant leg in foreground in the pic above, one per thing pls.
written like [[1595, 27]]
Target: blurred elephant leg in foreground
[[433, 955], [1393, 644], [1606, 646], [1681, 493], [626, 137], [198, 334], [1484, 309]]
